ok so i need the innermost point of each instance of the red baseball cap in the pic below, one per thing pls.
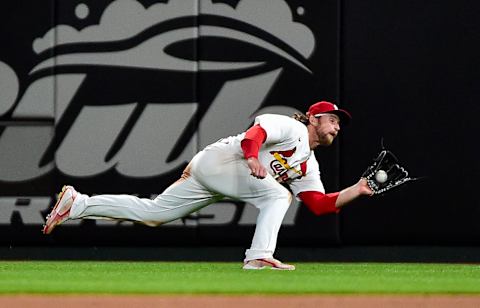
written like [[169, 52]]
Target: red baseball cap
[[320, 108]]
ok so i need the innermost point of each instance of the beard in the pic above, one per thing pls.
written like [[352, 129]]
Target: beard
[[326, 140]]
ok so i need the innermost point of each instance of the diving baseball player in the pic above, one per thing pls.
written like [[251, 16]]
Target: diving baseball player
[[250, 167]]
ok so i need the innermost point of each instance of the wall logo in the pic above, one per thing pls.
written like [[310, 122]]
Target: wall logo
[[144, 89]]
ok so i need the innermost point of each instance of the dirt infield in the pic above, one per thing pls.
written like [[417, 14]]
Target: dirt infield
[[342, 301]]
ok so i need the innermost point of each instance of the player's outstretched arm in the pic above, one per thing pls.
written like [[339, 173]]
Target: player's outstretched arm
[[351, 193], [320, 203]]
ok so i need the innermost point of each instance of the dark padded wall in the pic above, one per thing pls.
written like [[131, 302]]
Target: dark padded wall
[[117, 96], [123, 106], [410, 74]]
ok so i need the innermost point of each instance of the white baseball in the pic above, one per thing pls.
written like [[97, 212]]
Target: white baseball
[[381, 176]]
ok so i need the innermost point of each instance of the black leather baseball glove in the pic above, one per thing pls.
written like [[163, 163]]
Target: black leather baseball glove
[[386, 173]]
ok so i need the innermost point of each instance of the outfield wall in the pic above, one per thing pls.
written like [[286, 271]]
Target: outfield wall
[[117, 96]]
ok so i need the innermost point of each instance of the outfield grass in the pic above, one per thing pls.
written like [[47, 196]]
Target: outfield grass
[[228, 278]]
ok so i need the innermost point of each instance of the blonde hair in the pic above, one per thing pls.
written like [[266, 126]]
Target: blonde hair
[[300, 117]]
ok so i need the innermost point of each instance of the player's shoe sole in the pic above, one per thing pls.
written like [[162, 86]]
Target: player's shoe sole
[[273, 264], [61, 210]]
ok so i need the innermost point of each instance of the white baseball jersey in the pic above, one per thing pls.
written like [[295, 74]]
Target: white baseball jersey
[[285, 153]]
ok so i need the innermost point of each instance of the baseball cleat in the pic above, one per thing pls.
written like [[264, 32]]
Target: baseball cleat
[[61, 210], [270, 263]]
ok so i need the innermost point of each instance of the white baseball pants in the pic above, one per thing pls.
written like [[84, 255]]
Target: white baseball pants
[[212, 174]]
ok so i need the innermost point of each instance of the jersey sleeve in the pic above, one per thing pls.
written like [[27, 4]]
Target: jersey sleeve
[[254, 138], [278, 128], [311, 181], [320, 203]]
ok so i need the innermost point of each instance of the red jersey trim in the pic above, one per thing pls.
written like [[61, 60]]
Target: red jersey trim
[[319, 203], [255, 136]]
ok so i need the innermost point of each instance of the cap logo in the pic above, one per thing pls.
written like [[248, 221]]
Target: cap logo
[[335, 107]]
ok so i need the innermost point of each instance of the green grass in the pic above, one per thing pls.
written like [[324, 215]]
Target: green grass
[[227, 278]]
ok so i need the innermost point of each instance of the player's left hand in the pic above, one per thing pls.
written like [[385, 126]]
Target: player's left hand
[[363, 188], [257, 169]]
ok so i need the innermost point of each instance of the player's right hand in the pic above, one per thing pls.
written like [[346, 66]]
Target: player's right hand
[[256, 168]]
